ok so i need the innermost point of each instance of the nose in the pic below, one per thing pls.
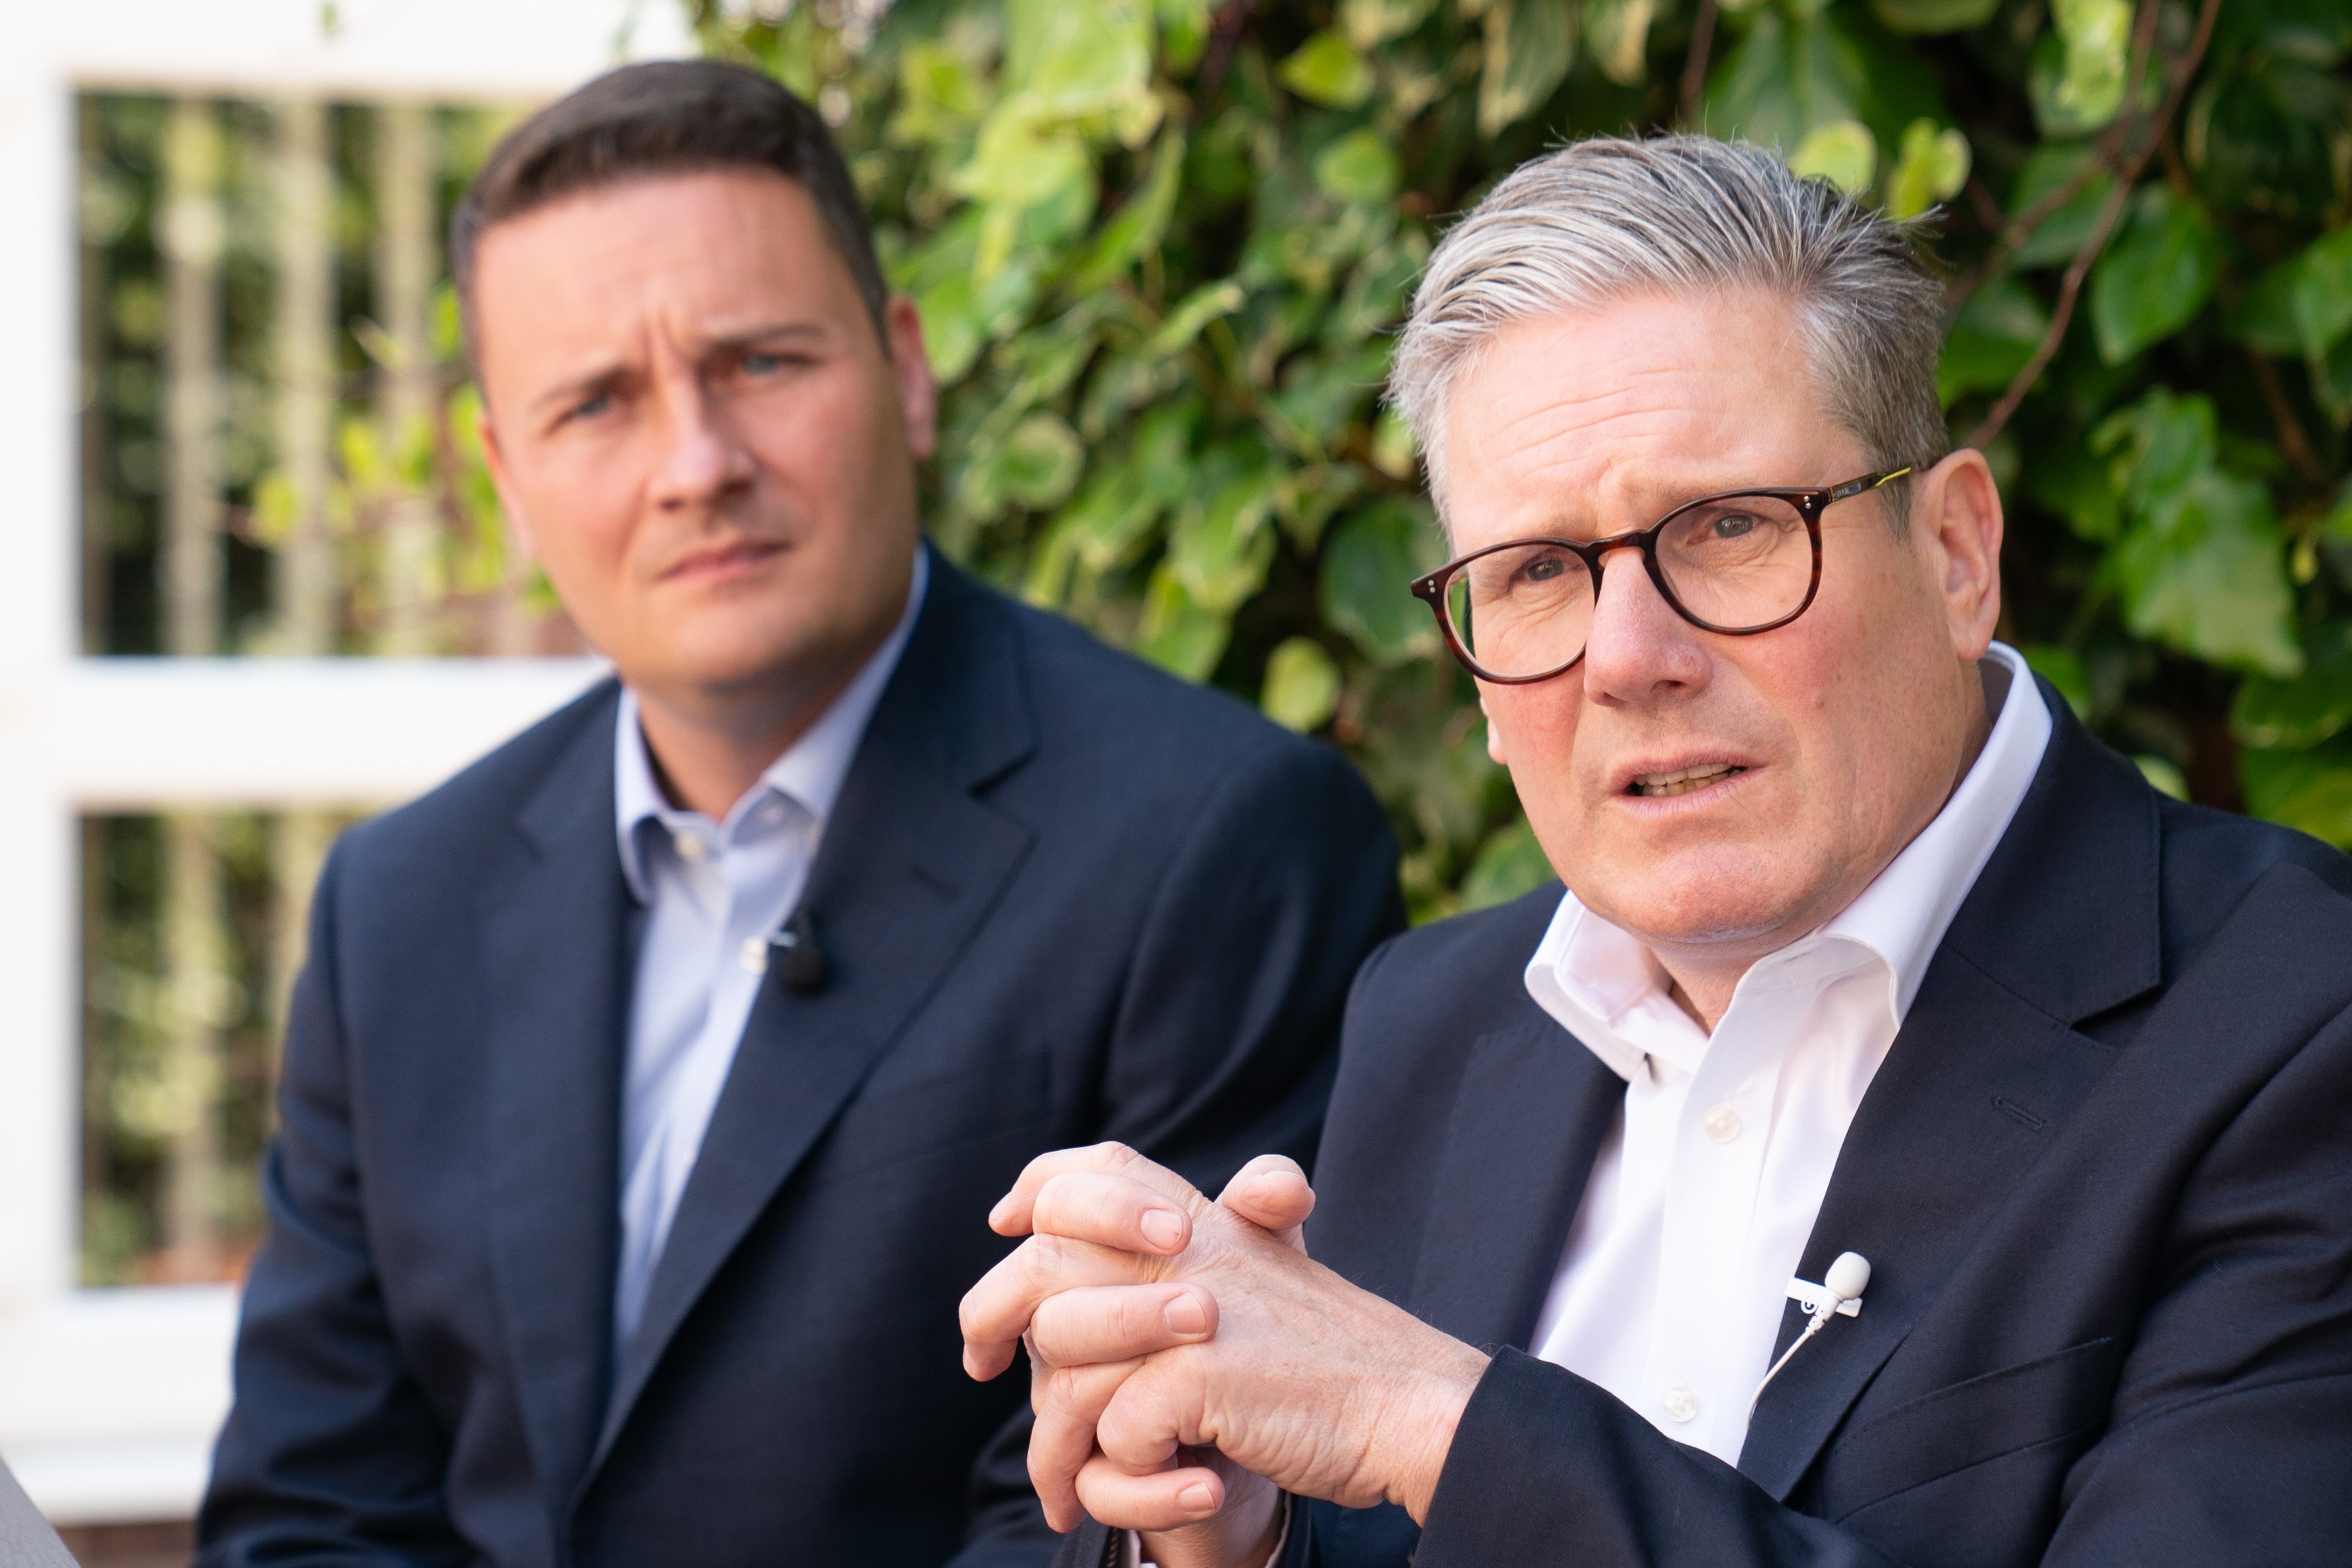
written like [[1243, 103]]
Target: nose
[[703, 466], [1638, 649]]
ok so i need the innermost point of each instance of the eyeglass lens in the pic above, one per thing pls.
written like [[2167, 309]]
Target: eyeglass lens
[[1733, 563]]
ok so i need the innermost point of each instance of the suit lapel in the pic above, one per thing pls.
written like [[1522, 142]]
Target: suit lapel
[[1528, 1117], [2061, 925], [555, 933], [910, 866]]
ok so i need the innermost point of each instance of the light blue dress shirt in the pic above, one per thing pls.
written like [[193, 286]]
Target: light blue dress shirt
[[709, 893]]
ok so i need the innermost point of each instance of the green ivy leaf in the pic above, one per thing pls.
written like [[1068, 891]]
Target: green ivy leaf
[[2164, 774], [1843, 151], [2158, 446], [1220, 551], [1923, 17], [2331, 380], [2264, 317], [1807, 67], [1327, 71], [1018, 165], [1530, 43], [2155, 275], [1994, 335], [1931, 168], [1184, 32], [1178, 634], [1359, 167], [1510, 864], [1302, 685], [1039, 462], [942, 95], [1367, 24], [2076, 78], [1077, 60], [1137, 228], [2077, 487], [2306, 711], [2307, 790], [2206, 577], [2263, 129], [2059, 235], [2061, 667], [1197, 310], [1367, 566], [2322, 292], [1617, 35]]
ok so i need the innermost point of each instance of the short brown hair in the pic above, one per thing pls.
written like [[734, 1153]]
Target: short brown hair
[[665, 117]]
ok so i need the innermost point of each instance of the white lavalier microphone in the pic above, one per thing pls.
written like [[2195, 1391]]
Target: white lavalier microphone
[[1838, 1296]]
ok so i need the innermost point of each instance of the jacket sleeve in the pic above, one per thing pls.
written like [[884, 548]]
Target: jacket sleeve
[[329, 1452], [1228, 1028], [2223, 1442], [1549, 1469]]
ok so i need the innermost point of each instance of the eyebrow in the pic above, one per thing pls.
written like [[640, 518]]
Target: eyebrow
[[605, 377]]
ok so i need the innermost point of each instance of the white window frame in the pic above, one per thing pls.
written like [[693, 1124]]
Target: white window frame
[[109, 1399]]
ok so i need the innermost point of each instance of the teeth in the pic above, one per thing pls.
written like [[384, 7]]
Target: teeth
[[1682, 781]]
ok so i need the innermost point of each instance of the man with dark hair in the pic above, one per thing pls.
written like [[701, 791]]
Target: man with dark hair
[[647, 1084]]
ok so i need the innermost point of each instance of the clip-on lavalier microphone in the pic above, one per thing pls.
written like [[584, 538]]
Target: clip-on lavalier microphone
[[1839, 1295], [805, 970]]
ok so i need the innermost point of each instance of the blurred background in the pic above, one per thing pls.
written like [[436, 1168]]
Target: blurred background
[[257, 586]]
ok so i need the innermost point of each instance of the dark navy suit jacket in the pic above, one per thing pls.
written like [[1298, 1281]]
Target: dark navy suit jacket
[[1064, 898], [2104, 1181]]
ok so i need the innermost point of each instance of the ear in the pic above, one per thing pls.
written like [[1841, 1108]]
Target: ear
[[910, 366], [509, 503], [1956, 524], [1494, 736]]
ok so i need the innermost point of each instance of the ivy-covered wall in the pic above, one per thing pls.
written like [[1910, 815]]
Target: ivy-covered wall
[[1160, 246]]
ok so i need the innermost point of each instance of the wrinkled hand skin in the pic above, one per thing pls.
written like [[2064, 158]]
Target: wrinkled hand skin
[[1175, 1344]]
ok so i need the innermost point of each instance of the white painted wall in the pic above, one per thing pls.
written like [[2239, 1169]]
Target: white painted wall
[[109, 1399]]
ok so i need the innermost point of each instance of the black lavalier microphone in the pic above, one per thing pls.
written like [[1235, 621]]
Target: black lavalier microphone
[[805, 968]]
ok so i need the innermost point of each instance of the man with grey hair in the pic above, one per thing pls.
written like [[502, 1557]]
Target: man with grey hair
[[1906, 1138]]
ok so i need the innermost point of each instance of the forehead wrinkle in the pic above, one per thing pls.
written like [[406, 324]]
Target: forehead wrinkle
[[1628, 450]]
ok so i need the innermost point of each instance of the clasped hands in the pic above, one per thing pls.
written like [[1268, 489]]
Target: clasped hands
[[1189, 1362]]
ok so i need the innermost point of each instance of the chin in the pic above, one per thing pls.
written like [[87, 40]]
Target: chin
[[1699, 899], [720, 663]]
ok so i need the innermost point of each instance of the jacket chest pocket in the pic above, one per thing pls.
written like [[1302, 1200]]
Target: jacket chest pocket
[[2065, 1394]]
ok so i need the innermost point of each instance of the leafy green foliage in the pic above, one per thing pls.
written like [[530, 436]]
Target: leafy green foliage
[[1160, 246]]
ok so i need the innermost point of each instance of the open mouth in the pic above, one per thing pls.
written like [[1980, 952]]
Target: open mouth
[[1682, 781]]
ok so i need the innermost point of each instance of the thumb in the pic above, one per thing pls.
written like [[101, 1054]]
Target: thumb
[[1271, 1192]]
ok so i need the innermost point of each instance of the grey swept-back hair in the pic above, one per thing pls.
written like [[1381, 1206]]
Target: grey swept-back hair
[[1613, 216]]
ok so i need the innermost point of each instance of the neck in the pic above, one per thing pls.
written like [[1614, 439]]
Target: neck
[[706, 760], [1701, 981]]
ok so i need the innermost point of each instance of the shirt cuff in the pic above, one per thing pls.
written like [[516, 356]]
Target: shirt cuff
[[1130, 1547]]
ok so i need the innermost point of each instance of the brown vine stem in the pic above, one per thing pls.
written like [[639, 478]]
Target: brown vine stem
[[2022, 226], [1225, 37], [2070, 286], [1694, 65], [2292, 440]]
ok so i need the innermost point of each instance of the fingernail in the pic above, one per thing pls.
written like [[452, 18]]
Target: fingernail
[[1186, 1316], [1197, 1499], [1163, 1228]]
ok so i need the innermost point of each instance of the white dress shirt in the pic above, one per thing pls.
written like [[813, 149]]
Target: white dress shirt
[[1671, 1289], [710, 894]]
